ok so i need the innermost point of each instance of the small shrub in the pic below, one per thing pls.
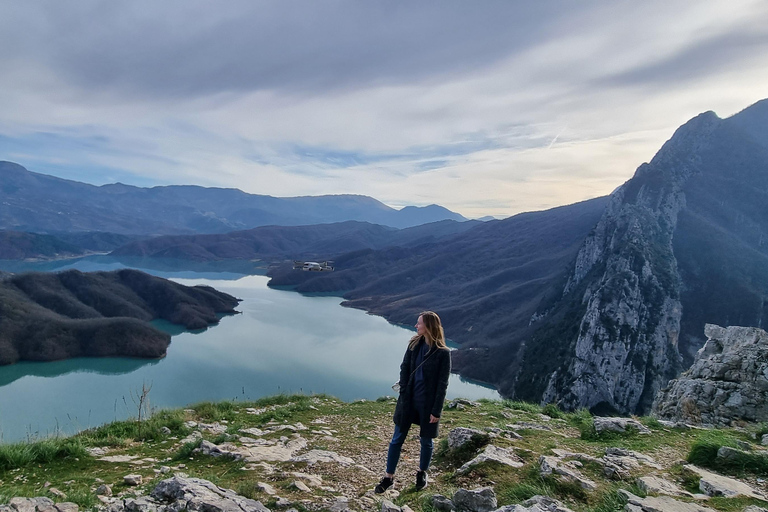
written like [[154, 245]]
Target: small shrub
[[652, 423], [611, 501], [119, 433], [521, 491], [215, 411], [552, 410], [84, 498], [704, 453], [186, 450]]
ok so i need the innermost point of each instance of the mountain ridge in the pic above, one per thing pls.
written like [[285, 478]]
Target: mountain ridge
[[41, 203]]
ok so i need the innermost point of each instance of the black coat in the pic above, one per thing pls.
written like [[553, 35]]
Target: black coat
[[437, 370]]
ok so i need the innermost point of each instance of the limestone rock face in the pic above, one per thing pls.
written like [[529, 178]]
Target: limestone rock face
[[626, 285], [727, 382]]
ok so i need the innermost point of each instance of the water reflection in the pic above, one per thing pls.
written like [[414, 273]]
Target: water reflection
[[50, 369]]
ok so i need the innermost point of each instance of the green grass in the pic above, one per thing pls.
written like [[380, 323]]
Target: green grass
[[522, 406], [20, 455], [186, 450], [704, 453], [552, 410], [120, 433]]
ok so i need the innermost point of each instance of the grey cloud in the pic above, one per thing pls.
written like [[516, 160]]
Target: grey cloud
[[698, 60], [189, 48]]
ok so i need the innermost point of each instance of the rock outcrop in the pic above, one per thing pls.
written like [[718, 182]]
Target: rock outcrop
[[728, 380]]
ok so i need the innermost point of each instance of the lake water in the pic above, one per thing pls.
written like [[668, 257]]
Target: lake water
[[282, 342]]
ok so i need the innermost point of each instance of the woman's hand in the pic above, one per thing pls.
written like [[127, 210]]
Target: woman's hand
[[433, 419]]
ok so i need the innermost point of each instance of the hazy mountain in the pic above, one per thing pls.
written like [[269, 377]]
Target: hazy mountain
[[587, 307], [16, 245], [300, 242], [45, 204], [49, 316]]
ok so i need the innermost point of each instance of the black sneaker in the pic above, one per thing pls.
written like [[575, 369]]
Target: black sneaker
[[421, 480], [385, 484]]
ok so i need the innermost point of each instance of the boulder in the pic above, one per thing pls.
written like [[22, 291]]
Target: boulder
[[462, 436], [656, 485], [141, 504], [551, 465], [537, 504], [266, 488], [713, 484], [388, 506], [477, 500], [727, 381], [199, 494], [30, 504], [659, 504], [619, 425], [132, 480], [104, 490], [493, 453], [301, 486], [441, 503], [314, 456]]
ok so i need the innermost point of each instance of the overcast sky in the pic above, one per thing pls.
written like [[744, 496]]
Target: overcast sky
[[487, 108]]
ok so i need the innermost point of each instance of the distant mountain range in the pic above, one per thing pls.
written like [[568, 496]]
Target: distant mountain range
[[38, 203], [293, 242]]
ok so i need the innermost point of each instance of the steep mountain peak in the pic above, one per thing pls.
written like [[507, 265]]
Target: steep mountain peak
[[754, 121]]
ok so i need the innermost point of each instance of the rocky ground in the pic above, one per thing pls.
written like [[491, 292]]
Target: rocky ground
[[318, 453]]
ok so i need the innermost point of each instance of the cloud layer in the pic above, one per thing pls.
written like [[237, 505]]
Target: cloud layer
[[486, 108]]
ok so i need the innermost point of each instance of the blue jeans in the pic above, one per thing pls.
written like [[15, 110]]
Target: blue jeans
[[396, 445]]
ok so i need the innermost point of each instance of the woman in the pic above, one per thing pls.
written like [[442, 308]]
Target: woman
[[423, 382]]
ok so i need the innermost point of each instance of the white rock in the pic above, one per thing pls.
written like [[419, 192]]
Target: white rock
[[656, 485], [298, 484], [104, 490], [132, 480], [660, 504], [620, 425], [313, 456], [713, 484], [266, 488], [493, 453]]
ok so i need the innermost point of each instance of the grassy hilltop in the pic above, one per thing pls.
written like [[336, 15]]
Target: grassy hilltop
[[361, 431]]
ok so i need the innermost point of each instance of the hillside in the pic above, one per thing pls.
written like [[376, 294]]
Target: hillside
[[280, 242], [46, 316], [485, 283], [16, 245], [40, 203], [317, 453]]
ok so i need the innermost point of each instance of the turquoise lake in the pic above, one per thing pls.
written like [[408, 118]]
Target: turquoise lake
[[281, 342]]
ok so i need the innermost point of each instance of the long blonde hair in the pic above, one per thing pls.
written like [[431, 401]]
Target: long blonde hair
[[434, 334]]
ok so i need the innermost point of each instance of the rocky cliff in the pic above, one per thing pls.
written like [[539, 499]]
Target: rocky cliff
[[679, 245], [727, 383]]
